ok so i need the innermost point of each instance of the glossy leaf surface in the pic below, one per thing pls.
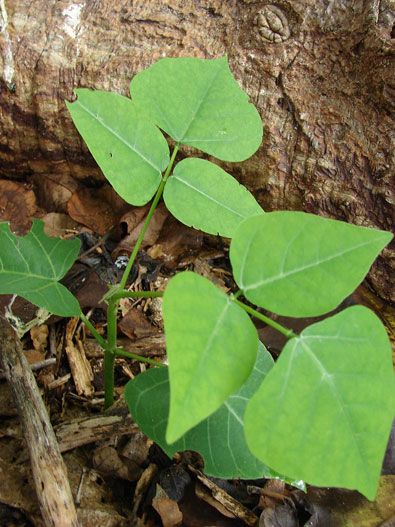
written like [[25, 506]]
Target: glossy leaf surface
[[32, 265], [211, 348], [324, 412], [301, 265], [219, 438], [199, 103], [202, 195], [130, 150]]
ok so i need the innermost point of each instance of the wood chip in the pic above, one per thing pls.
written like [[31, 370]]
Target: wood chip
[[232, 505], [82, 431], [142, 486], [204, 494], [79, 365], [39, 336], [146, 347]]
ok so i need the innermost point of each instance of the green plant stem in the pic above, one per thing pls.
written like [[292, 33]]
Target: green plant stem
[[109, 352], [112, 310], [137, 294], [94, 332], [285, 331], [109, 359], [151, 211], [129, 355]]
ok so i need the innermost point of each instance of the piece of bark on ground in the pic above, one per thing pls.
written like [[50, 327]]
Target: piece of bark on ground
[[81, 431], [49, 472]]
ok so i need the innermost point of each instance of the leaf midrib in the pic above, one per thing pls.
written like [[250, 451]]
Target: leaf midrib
[[112, 131], [211, 198], [30, 275], [200, 102], [327, 378], [282, 275], [210, 340]]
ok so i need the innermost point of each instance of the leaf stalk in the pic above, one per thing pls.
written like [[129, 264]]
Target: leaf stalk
[[285, 331]]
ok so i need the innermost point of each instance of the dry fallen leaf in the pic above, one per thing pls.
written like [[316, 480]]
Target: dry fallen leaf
[[174, 241], [133, 217], [87, 206], [54, 190], [57, 224], [17, 205], [167, 509], [106, 461], [135, 325], [282, 515], [332, 507], [127, 244]]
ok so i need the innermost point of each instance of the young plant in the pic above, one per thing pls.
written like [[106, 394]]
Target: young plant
[[322, 413]]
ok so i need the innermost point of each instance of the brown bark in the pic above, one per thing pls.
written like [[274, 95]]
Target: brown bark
[[319, 71], [49, 472], [115, 422]]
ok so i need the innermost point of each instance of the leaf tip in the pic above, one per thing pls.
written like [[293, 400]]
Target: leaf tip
[[171, 435]]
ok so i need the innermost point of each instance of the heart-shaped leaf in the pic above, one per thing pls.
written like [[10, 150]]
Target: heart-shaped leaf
[[301, 265], [219, 439], [211, 347], [32, 265], [129, 149], [199, 103], [202, 195], [324, 412]]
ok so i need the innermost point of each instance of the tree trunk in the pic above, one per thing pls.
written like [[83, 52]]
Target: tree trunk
[[319, 72]]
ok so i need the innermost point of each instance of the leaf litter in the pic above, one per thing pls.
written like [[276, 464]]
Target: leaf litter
[[122, 462]]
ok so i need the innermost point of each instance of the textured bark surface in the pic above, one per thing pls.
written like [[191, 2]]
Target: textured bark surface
[[48, 469], [319, 71], [116, 422]]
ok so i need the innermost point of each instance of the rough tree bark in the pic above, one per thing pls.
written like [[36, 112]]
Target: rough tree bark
[[319, 71]]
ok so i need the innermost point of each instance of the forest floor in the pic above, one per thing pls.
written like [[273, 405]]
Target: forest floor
[[118, 476]]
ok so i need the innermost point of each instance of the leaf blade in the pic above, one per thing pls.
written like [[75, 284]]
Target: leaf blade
[[223, 448], [131, 151], [211, 112], [32, 265], [204, 331], [313, 262], [202, 195], [329, 421]]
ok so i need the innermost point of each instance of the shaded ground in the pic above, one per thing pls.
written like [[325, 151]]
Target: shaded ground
[[118, 476]]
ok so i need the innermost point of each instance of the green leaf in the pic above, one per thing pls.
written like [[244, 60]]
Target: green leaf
[[129, 149], [324, 412], [198, 103], [300, 265], [211, 347], [30, 266], [202, 195], [219, 439]]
